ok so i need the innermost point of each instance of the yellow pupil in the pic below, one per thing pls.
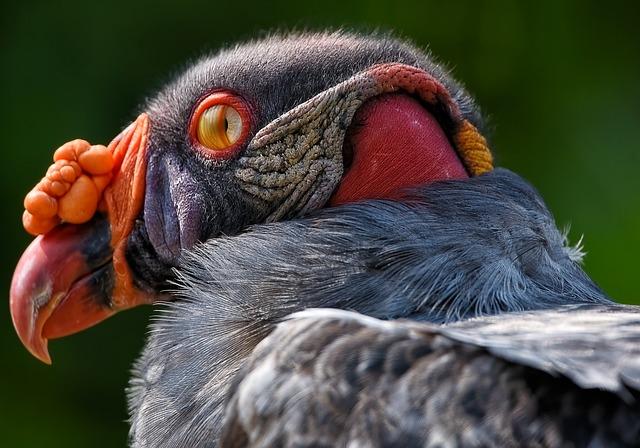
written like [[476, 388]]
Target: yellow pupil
[[219, 127]]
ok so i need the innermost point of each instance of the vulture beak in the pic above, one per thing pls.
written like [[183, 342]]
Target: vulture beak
[[74, 275]]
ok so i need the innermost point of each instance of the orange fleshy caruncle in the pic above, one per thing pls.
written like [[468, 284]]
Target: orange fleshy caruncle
[[71, 189]]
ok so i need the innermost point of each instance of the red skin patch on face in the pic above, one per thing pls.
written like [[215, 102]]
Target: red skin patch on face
[[398, 146]]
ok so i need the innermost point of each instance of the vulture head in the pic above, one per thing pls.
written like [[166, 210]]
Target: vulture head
[[268, 131]]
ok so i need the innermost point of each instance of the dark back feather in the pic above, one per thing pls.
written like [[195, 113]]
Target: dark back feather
[[538, 379]]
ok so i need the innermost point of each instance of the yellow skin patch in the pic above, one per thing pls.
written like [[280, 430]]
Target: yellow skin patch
[[72, 188]]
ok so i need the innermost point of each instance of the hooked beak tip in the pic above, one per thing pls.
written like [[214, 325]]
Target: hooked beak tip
[[39, 348], [28, 326]]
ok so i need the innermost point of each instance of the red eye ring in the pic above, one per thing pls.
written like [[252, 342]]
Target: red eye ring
[[221, 98]]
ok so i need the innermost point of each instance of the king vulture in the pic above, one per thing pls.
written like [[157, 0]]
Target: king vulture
[[340, 264]]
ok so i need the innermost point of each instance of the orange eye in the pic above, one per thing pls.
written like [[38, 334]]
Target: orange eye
[[220, 124]]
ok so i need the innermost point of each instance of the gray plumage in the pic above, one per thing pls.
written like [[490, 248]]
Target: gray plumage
[[497, 250]]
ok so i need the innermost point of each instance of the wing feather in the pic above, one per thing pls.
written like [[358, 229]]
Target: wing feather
[[337, 378]]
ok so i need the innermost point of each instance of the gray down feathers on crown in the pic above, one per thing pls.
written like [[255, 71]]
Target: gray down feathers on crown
[[447, 251], [280, 72]]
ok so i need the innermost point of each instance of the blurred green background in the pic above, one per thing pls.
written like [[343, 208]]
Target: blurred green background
[[560, 82]]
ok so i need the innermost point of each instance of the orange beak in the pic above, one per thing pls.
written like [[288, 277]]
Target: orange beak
[[75, 274]]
